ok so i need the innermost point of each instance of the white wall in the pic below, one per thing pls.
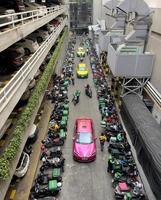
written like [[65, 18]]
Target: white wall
[[156, 112], [97, 10], [154, 45]]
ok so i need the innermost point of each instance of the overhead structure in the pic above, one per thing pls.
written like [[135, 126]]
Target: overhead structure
[[115, 13], [138, 13], [114, 34], [145, 135], [129, 60], [94, 31]]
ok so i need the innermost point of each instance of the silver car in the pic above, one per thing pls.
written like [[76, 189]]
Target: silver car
[[23, 165]]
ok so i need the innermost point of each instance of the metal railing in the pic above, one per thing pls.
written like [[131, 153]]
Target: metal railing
[[153, 92], [12, 20], [10, 89]]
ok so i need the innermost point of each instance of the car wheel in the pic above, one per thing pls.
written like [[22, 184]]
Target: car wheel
[[39, 39], [27, 51]]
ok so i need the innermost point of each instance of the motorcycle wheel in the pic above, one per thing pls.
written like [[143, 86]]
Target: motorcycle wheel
[[61, 142]]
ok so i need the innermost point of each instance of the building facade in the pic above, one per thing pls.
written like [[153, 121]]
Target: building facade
[[153, 45], [81, 12]]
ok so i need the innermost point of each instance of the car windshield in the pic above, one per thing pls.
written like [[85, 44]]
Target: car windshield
[[32, 39], [80, 49], [84, 138], [82, 68]]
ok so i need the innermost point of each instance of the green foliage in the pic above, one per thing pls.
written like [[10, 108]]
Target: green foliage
[[24, 120], [4, 169]]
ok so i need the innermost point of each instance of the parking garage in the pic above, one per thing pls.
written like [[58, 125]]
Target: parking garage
[[62, 63]]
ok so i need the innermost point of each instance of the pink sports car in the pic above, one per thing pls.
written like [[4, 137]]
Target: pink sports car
[[84, 140]]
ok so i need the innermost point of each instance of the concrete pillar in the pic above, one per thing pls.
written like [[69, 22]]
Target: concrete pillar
[[97, 10]]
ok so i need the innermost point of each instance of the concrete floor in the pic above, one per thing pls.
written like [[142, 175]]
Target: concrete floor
[[85, 181]]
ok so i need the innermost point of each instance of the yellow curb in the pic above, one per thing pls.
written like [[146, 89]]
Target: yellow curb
[[12, 195]]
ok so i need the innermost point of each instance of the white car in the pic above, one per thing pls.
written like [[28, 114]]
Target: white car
[[50, 28], [33, 134], [26, 95], [42, 10], [30, 45], [23, 165], [41, 35], [32, 84], [6, 19], [37, 74]]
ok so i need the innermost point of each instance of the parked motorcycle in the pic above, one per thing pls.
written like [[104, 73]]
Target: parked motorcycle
[[31, 197], [52, 152], [48, 142], [51, 173], [121, 189], [43, 178], [41, 191], [53, 162]]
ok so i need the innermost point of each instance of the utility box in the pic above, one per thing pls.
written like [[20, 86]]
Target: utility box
[[130, 63]]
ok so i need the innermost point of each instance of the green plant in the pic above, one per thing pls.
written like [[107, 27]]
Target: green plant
[[4, 169], [26, 115]]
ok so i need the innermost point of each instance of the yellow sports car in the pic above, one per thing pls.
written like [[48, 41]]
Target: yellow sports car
[[81, 52], [82, 71]]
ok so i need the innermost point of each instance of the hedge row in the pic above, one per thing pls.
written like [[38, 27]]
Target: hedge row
[[24, 120]]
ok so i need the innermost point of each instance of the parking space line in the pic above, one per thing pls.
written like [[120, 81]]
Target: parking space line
[[12, 195]]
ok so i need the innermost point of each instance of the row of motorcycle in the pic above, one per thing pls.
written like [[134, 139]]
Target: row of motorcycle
[[121, 165], [48, 182]]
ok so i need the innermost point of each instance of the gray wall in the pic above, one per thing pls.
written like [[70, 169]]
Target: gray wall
[[97, 10], [154, 45]]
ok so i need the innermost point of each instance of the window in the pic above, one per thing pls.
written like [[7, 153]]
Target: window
[[84, 138], [82, 68]]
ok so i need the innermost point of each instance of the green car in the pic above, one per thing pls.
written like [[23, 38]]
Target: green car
[[81, 52]]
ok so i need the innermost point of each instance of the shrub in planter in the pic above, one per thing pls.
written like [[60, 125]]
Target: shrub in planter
[[26, 115], [4, 168]]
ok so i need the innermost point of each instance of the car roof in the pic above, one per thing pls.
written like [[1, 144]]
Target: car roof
[[21, 161], [84, 125], [32, 130], [82, 65], [33, 5]]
